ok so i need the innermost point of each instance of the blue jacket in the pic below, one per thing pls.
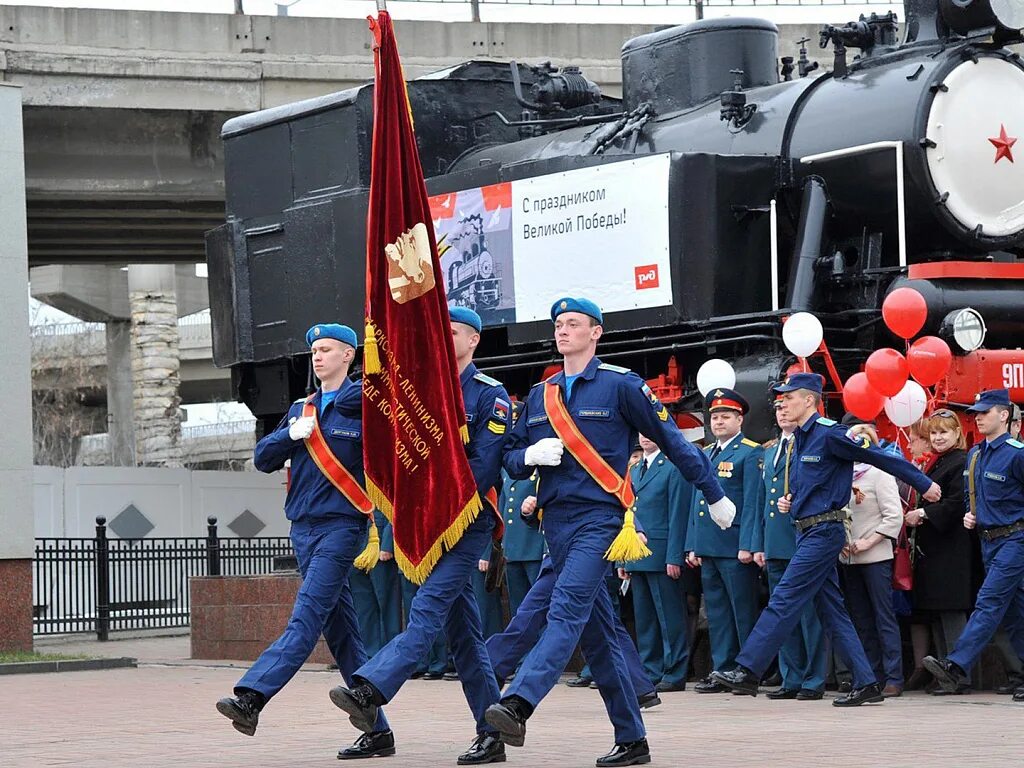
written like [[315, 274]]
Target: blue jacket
[[776, 536], [663, 500], [488, 416], [609, 405], [826, 452], [311, 495], [739, 471], [523, 543], [998, 481]]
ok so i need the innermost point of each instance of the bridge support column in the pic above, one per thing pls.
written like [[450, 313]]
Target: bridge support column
[[156, 365], [16, 520], [120, 400]]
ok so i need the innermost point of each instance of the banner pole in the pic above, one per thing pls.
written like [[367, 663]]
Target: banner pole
[[382, 5]]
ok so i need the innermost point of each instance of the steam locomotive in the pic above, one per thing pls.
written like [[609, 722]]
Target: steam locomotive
[[727, 189]]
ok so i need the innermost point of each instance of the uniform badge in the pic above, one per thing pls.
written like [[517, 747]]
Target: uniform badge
[[564, 304], [501, 409], [725, 468], [316, 331], [655, 402], [862, 440], [719, 393]]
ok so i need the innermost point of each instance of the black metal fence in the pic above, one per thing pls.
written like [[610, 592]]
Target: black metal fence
[[104, 585]]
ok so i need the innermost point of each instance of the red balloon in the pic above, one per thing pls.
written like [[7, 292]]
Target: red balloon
[[929, 358], [904, 311], [861, 399], [887, 370]]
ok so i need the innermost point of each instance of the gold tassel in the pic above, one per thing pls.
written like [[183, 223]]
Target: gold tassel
[[369, 556], [464, 432], [371, 355], [628, 546]]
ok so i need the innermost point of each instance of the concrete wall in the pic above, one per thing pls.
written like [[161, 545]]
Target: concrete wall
[[175, 502]]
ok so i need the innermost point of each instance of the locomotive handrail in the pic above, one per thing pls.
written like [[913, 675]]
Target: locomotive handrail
[[901, 211]]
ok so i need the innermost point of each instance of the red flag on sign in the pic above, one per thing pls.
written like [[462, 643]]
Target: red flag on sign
[[414, 423]]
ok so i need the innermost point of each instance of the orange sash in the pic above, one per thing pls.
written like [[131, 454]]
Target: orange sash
[[332, 468], [581, 449]]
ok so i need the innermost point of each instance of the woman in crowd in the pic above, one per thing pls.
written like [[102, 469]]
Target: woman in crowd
[[876, 520], [942, 564]]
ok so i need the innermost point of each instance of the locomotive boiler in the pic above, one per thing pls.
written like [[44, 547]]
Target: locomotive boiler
[[727, 189]]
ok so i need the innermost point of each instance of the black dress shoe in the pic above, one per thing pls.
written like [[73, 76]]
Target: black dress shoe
[[378, 744], [486, 748], [579, 682], [243, 711], [809, 694], [738, 680], [361, 704], [844, 686], [509, 717], [947, 674], [1018, 695], [629, 753], [1011, 686], [869, 694], [450, 676], [784, 693], [648, 700], [772, 681], [664, 687], [433, 675], [709, 685]]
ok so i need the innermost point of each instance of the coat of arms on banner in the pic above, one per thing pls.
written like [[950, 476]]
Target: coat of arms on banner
[[410, 270]]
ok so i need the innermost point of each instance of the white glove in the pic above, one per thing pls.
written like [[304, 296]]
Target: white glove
[[301, 428], [722, 512], [545, 453]]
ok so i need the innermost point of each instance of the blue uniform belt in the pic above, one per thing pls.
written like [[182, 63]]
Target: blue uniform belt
[[991, 534], [832, 516]]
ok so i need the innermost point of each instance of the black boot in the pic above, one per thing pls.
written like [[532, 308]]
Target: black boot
[[947, 674], [243, 711], [377, 744], [710, 685], [579, 681], [486, 748], [784, 693], [869, 694], [361, 704], [740, 680], [509, 718], [648, 700], [630, 753]]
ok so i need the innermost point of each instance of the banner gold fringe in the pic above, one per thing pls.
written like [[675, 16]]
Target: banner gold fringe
[[417, 573], [371, 355], [464, 434], [369, 556], [628, 546]]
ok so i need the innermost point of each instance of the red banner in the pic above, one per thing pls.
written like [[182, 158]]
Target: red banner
[[414, 424]]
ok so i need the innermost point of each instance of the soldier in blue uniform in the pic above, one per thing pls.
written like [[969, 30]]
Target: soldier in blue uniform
[[598, 409], [663, 499], [446, 600], [726, 558], [994, 481], [802, 656], [327, 533], [377, 595], [821, 492]]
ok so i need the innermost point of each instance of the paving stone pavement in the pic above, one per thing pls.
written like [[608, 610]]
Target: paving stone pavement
[[160, 715]]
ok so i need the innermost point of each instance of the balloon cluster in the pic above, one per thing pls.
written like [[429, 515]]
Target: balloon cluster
[[895, 382]]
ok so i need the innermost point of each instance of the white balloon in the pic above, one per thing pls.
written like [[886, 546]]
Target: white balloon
[[802, 334], [908, 406], [713, 374]]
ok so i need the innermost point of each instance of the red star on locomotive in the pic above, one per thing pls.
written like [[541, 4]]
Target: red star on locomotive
[[1003, 144]]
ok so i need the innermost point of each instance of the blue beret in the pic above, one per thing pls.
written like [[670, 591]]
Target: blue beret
[[466, 316], [332, 331], [811, 381], [569, 304], [989, 398], [721, 398]]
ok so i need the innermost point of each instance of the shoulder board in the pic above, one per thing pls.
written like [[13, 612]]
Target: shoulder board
[[1015, 443], [826, 422], [485, 379], [539, 383], [750, 443], [610, 367], [708, 448]]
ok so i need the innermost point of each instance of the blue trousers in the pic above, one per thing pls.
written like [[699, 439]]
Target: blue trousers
[[325, 551], [519, 576], [436, 660], [659, 606], [1000, 600], [731, 602], [581, 612], [811, 575], [444, 601], [377, 598], [869, 599], [489, 604], [508, 648], [802, 656]]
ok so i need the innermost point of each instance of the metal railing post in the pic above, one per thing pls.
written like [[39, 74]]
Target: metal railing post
[[212, 547], [102, 580]]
